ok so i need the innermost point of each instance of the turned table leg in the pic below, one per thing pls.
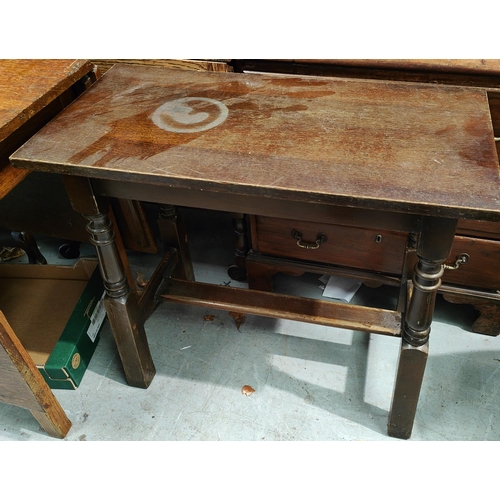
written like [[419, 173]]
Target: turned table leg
[[173, 235], [434, 245], [121, 303], [238, 270]]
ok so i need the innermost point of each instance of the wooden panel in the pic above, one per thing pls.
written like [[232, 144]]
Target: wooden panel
[[105, 65], [359, 318], [494, 103], [41, 81], [10, 178], [226, 202], [426, 149], [464, 72], [490, 230], [483, 268], [361, 248], [465, 66], [46, 86], [21, 384]]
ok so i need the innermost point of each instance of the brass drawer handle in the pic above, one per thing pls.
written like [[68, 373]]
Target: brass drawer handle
[[463, 258], [321, 238]]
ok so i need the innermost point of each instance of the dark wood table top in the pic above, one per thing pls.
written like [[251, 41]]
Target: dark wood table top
[[405, 147], [27, 87]]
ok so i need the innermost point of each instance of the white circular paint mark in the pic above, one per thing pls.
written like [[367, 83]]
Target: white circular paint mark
[[190, 114]]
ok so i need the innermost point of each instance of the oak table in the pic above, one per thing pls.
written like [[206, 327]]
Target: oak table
[[396, 156]]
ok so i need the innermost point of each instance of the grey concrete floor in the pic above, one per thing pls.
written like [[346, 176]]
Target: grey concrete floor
[[312, 383]]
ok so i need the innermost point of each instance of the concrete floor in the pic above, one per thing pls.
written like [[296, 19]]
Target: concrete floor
[[312, 383]]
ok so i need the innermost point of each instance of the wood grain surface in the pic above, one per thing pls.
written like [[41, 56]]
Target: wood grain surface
[[381, 251], [463, 72], [271, 305], [467, 66], [28, 85], [30, 91], [105, 65], [405, 147]]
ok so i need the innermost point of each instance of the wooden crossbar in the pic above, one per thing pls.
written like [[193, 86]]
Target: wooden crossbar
[[340, 315]]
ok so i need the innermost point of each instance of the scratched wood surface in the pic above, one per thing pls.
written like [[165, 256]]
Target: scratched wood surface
[[394, 146], [28, 88], [28, 85]]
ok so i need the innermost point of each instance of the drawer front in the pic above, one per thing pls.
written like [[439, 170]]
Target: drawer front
[[361, 248], [482, 229], [483, 268]]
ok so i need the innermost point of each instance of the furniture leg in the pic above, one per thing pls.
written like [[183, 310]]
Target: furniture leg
[[28, 244], [260, 276], [434, 245], [121, 303], [173, 235], [238, 270]]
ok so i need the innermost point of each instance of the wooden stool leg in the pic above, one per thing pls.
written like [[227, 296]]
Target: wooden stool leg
[[434, 245], [121, 303]]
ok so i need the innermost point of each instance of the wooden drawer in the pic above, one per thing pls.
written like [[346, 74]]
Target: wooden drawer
[[482, 229], [361, 248], [483, 268]]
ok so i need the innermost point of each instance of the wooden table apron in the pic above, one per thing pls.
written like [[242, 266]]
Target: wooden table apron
[[394, 156]]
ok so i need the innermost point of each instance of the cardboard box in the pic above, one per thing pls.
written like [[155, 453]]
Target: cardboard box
[[56, 312]]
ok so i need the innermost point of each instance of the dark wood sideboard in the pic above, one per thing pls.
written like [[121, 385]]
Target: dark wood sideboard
[[361, 249]]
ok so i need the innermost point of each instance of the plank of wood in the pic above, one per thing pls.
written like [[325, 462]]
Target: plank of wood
[[31, 93], [464, 72], [465, 66], [340, 315], [21, 384], [380, 145], [10, 178], [105, 65], [29, 85]]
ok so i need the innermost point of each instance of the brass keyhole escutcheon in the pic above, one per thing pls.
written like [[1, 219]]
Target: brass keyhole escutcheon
[[320, 238]]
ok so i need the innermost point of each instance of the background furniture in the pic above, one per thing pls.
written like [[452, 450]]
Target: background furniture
[[475, 282], [31, 94], [21, 384]]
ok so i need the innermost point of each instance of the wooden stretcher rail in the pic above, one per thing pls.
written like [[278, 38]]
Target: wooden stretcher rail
[[339, 315]]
